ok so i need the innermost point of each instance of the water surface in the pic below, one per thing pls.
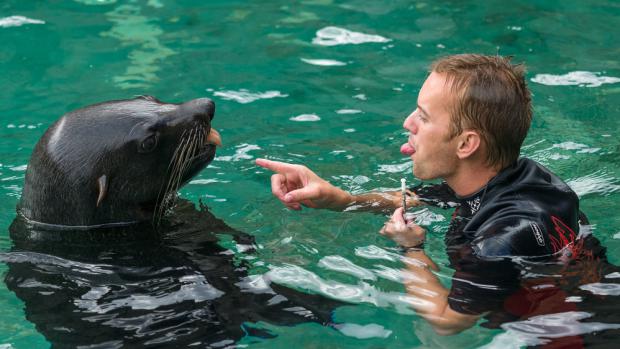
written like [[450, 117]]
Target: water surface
[[325, 83]]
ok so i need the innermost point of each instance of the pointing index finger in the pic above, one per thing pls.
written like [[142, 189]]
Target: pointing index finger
[[275, 166]]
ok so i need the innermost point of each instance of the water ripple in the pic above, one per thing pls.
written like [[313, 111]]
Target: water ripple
[[348, 111], [602, 289], [363, 331], [395, 168], [375, 252], [425, 217], [139, 32], [192, 288], [208, 181], [331, 36], [580, 78], [323, 62], [538, 329], [296, 277], [244, 96], [305, 117], [597, 182], [581, 148], [18, 21], [343, 265], [45, 261], [241, 153], [96, 2]]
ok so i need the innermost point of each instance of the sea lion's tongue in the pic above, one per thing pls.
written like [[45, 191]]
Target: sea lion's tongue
[[214, 138], [407, 149]]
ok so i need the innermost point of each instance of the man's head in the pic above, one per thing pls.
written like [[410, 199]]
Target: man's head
[[473, 108], [491, 98]]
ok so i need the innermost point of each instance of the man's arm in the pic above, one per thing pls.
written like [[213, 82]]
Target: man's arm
[[425, 286], [297, 185], [431, 297]]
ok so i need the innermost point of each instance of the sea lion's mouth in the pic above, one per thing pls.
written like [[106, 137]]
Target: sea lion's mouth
[[195, 150], [206, 150], [214, 138]]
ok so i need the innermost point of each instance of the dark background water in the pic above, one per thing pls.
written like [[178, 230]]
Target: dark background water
[[283, 90]]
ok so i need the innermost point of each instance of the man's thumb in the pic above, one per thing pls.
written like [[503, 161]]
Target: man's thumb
[[297, 195]]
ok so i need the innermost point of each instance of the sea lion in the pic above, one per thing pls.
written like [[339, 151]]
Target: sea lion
[[116, 163], [89, 228]]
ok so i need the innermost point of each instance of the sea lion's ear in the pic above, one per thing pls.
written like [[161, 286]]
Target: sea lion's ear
[[102, 185]]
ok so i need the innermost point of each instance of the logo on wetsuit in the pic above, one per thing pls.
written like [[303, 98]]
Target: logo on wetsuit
[[540, 240], [474, 205]]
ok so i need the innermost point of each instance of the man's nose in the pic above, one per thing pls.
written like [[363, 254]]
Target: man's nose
[[410, 123]]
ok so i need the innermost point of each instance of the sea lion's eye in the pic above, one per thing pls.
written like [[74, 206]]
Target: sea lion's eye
[[148, 144]]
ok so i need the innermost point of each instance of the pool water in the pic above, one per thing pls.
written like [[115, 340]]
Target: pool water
[[327, 84]]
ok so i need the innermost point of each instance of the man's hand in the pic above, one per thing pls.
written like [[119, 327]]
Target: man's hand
[[404, 233], [297, 185]]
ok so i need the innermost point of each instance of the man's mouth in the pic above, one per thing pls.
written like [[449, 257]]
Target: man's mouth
[[407, 149]]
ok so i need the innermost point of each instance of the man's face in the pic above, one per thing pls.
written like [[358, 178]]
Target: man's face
[[429, 146]]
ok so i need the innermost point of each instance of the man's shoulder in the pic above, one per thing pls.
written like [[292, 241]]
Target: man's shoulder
[[529, 173], [528, 192], [522, 234]]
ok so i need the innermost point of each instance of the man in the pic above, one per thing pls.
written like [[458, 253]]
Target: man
[[473, 113]]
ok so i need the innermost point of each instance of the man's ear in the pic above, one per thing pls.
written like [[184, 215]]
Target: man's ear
[[469, 143]]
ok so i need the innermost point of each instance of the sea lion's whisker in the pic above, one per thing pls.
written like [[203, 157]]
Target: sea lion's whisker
[[188, 147], [163, 198], [162, 191], [192, 146]]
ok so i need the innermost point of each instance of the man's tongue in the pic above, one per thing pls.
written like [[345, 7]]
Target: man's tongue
[[407, 149]]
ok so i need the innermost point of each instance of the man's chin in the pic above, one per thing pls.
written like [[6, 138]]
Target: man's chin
[[421, 175]]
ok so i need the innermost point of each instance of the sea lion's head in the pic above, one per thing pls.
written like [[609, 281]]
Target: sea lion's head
[[117, 161]]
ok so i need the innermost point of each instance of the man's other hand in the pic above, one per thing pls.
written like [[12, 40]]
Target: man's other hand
[[404, 232]]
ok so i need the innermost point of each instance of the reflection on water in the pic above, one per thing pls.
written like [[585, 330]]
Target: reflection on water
[[556, 302], [141, 35], [559, 329], [182, 290]]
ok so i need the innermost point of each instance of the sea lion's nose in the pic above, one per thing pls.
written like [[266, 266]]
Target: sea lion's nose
[[201, 108]]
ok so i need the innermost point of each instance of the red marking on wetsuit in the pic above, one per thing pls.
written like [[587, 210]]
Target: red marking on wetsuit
[[564, 234], [565, 237]]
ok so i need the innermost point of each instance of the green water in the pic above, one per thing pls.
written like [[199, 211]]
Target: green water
[[353, 98]]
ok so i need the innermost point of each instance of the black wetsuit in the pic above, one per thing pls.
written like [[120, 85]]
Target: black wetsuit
[[524, 211]]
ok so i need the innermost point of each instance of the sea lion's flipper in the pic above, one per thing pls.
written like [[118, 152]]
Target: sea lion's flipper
[[102, 185]]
